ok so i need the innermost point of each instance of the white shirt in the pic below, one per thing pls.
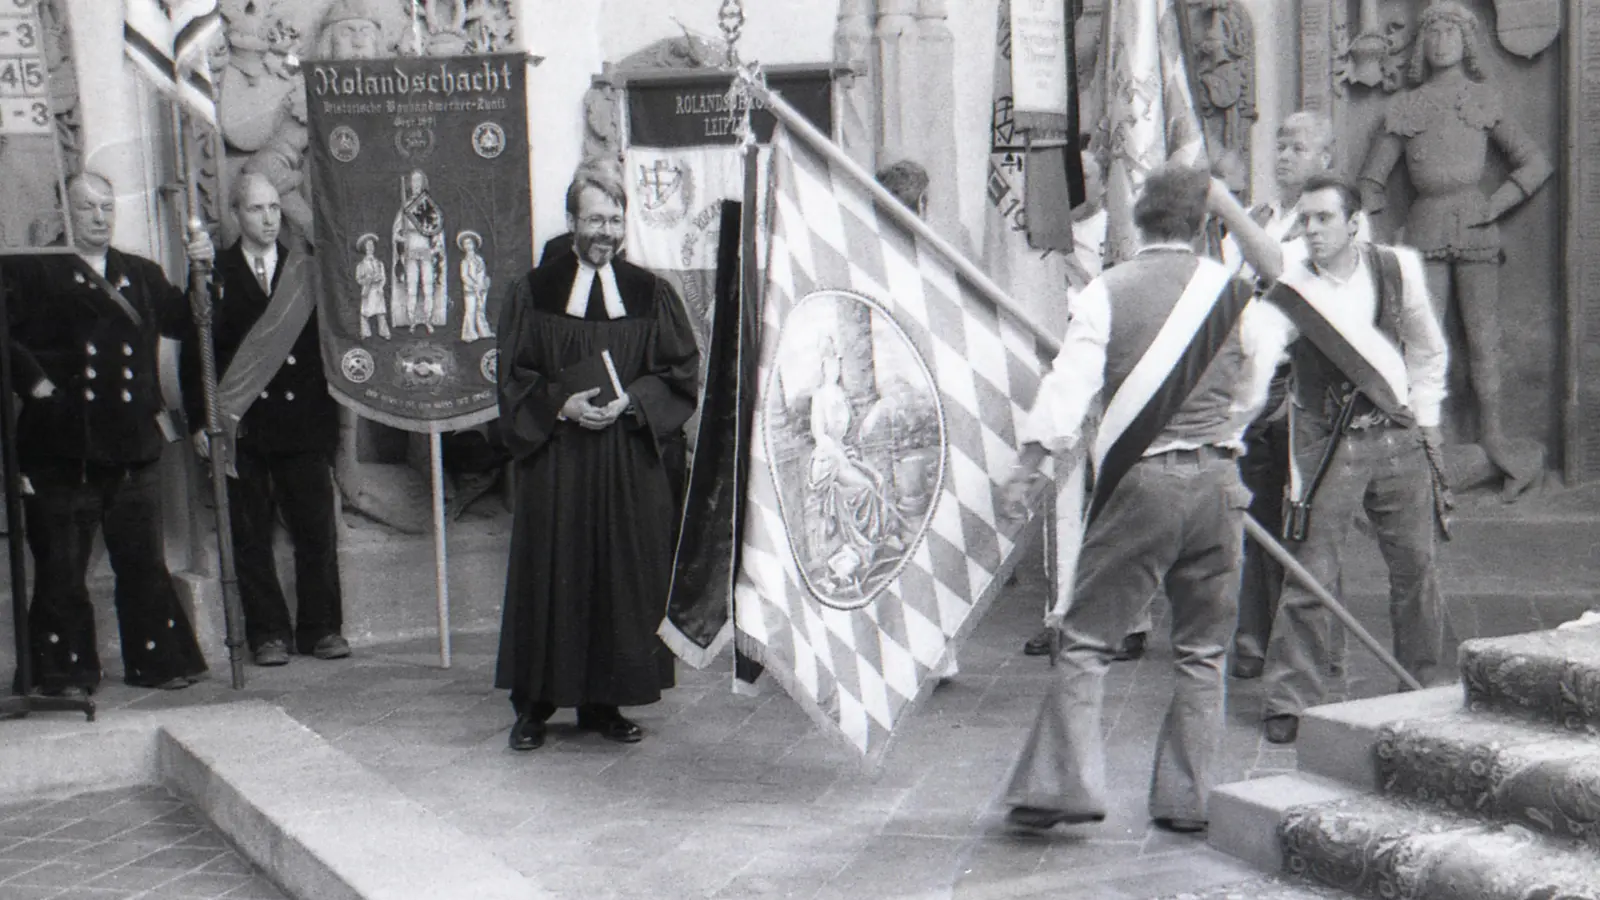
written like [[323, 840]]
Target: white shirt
[[1267, 333], [97, 263], [1078, 373], [578, 300], [269, 262]]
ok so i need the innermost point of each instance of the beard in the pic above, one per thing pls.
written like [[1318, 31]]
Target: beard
[[596, 250]]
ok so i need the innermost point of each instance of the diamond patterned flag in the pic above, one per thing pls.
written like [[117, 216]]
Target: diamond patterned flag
[[888, 391]]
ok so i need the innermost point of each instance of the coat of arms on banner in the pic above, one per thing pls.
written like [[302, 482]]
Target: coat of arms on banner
[[856, 448], [665, 190]]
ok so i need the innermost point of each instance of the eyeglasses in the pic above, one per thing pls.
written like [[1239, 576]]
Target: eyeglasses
[[595, 223]]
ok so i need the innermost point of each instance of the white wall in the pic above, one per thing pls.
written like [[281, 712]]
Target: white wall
[[575, 38]]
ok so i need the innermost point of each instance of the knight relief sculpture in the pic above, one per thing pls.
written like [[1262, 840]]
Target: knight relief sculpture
[[1444, 126]]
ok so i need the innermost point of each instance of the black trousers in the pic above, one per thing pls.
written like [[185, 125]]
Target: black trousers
[[301, 485], [71, 500], [1265, 471]]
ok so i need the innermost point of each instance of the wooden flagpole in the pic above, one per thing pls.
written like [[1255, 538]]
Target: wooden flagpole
[[441, 558], [221, 453]]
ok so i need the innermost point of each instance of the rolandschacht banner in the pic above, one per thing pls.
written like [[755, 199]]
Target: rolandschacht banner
[[420, 183]]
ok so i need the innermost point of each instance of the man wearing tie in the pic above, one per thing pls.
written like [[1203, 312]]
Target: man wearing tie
[[280, 427]]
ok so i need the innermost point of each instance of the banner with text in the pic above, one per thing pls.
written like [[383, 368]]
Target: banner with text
[[423, 219], [683, 162]]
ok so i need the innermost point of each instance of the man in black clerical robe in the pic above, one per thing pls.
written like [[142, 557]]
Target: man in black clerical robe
[[592, 534]]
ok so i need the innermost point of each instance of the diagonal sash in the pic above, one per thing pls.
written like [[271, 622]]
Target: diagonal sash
[[111, 292], [268, 342], [1165, 375], [1354, 344]]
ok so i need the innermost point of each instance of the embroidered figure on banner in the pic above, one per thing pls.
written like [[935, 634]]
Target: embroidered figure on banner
[[474, 288], [419, 296], [370, 279], [855, 438]]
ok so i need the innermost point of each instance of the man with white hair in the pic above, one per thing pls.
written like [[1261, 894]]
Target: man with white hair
[[85, 332], [1305, 148]]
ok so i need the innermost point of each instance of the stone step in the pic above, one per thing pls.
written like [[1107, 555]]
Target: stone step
[[1245, 815], [1549, 676], [1497, 768], [1381, 847], [1339, 741], [1264, 889]]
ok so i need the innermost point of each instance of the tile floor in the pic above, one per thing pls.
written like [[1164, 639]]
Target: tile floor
[[742, 797], [130, 844]]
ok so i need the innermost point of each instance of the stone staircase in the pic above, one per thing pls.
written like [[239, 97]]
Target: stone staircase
[[1423, 797]]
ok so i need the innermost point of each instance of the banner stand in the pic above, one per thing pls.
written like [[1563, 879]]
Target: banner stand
[[441, 554]]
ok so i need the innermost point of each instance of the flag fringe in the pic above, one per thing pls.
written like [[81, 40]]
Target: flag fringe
[[692, 654]]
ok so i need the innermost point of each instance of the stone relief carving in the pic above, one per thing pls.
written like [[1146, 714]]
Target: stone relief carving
[[261, 95], [1225, 68], [1444, 126], [1380, 51], [602, 109]]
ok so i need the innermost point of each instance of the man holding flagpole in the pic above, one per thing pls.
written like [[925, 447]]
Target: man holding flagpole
[[281, 427], [1157, 337]]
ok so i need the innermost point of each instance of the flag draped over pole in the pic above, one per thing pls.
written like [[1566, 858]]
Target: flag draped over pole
[[1149, 108], [167, 42], [1033, 271], [890, 382]]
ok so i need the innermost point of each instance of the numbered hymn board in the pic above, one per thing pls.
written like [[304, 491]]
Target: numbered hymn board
[[32, 189]]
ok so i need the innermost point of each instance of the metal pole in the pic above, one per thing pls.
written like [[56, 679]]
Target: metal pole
[[221, 452], [1276, 550], [441, 578], [13, 485]]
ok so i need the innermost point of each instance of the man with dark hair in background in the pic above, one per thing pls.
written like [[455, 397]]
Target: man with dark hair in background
[[592, 532], [1368, 357], [85, 333]]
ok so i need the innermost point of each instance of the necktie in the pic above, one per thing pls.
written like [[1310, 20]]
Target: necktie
[[261, 275]]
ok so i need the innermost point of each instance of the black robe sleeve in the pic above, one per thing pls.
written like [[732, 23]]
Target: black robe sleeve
[[529, 400], [664, 395]]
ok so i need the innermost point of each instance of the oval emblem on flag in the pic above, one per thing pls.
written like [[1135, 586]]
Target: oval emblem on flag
[[855, 440], [344, 144]]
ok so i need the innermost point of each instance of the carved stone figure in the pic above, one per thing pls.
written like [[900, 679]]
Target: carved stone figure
[[1444, 126], [1225, 67]]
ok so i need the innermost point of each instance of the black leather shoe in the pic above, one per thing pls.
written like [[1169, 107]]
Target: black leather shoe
[[1247, 667], [527, 734], [1038, 645], [1042, 819], [613, 727], [1180, 825], [1132, 647], [1282, 729]]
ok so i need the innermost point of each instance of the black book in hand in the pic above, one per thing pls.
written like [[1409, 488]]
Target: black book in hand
[[594, 371]]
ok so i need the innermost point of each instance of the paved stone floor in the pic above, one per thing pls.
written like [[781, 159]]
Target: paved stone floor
[[735, 796], [129, 844]]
